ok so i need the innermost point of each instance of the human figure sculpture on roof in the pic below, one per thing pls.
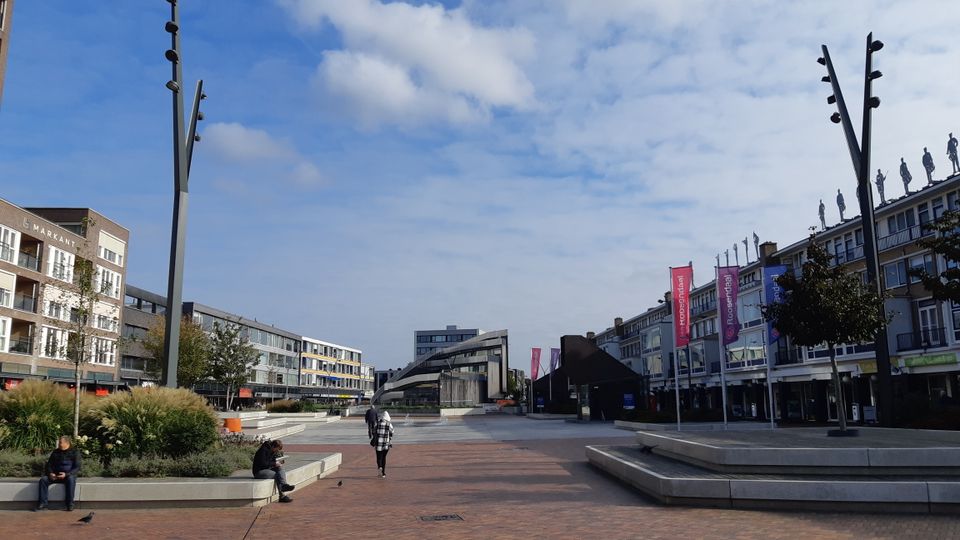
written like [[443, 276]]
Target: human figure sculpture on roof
[[840, 204], [823, 219], [881, 178], [928, 165], [952, 153], [905, 176]]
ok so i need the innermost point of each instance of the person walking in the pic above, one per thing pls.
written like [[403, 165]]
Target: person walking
[[381, 441], [62, 467], [371, 418], [268, 464]]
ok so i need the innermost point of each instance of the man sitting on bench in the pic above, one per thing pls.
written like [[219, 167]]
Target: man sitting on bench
[[268, 464], [62, 467]]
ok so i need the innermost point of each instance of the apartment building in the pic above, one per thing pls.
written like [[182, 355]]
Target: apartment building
[[331, 372], [39, 251]]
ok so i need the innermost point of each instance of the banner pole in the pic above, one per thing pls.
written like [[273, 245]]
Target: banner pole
[[723, 353], [768, 359]]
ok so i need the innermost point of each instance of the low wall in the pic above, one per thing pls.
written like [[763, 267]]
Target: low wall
[[303, 469], [462, 411]]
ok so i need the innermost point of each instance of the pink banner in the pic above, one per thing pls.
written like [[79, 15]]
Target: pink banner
[[680, 279], [554, 360], [534, 363], [728, 287]]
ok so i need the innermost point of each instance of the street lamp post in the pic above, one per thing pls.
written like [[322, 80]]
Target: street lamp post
[[182, 159], [860, 156]]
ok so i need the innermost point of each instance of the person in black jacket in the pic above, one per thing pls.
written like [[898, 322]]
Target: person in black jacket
[[371, 418], [62, 467], [268, 463]]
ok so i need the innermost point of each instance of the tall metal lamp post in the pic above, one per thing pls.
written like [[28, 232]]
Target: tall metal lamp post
[[182, 158], [860, 156]]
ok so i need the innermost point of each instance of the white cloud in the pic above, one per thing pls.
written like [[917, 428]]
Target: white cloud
[[658, 133], [405, 64], [236, 142], [244, 152]]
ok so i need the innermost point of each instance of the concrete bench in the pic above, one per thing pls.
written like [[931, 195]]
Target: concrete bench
[[239, 490]]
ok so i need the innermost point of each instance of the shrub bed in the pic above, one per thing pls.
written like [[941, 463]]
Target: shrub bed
[[34, 415], [147, 432], [293, 406]]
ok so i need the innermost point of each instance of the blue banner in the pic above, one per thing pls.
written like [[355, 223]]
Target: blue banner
[[773, 294], [628, 402]]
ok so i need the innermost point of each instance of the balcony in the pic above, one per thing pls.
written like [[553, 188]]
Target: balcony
[[703, 308], [786, 357], [21, 346], [25, 302], [848, 256], [28, 261], [899, 238], [926, 338]]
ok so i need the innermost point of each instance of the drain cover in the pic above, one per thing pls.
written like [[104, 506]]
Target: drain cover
[[442, 517]]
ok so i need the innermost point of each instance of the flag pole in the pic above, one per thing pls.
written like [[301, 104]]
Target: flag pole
[[766, 354], [723, 351], [676, 369]]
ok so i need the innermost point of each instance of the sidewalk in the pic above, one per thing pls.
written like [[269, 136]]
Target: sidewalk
[[533, 489]]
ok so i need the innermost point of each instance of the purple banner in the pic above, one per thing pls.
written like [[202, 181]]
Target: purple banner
[[554, 359], [728, 286]]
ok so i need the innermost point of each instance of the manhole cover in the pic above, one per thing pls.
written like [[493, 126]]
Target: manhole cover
[[443, 517]]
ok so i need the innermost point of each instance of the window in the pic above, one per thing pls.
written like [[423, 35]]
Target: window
[[8, 283], [56, 310], [104, 352], [4, 333], [8, 242], [131, 302], [60, 264], [135, 333], [655, 365], [108, 282], [54, 341], [900, 222], [921, 262], [895, 274], [111, 248], [105, 322]]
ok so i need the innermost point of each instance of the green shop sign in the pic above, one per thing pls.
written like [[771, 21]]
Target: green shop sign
[[931, 360]]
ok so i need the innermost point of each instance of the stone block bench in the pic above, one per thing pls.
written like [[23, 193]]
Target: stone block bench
[[240, 489]]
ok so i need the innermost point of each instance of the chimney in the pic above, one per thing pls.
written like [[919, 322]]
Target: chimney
[[591, 336], [618, 326], [767, 249]]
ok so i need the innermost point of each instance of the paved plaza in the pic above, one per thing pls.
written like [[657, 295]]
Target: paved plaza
[[506, 477]]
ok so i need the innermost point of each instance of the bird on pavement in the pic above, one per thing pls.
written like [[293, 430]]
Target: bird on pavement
[[87, 518], [340, 483], [647, 449]]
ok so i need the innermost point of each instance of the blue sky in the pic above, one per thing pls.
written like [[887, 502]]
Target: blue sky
[[369, 169]]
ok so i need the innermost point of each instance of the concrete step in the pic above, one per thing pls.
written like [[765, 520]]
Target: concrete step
[[259, 423], [810, 451], [274, 432], [242, 415], [678, 483]]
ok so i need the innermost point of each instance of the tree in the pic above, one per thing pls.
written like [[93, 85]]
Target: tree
[[944, 286], [231, 357], [70, 309], [193, 364], [826, 305]]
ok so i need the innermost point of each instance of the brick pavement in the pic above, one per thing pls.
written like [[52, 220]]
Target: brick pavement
[[534, 489]]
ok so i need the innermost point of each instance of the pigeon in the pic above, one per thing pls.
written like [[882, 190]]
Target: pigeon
[[87, 518], [340, 483], [647, 449]]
